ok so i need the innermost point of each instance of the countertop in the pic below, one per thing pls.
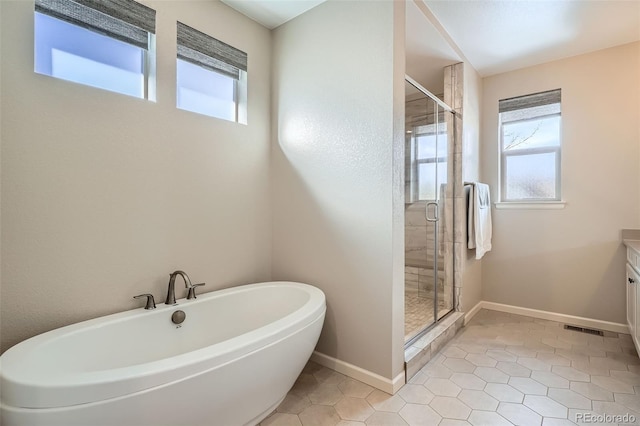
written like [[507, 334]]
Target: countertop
[[634, 244], [631, 238]]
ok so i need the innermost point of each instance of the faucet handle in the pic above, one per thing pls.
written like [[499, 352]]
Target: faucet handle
[[191, 294], [151, 304]]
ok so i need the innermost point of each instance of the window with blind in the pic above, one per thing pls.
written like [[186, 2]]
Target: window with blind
[[530, 147], [211, 76], [109, 44]]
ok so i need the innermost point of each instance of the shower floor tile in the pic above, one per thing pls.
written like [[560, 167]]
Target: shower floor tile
[[418, 313]]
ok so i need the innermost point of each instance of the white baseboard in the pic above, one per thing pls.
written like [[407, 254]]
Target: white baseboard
[[355, 372], [552, 316], [472, 312], [393, 386]]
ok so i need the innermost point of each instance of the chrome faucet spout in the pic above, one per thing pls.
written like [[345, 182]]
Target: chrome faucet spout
[[171, 292]]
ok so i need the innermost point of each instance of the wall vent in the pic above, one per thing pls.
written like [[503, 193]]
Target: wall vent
[[583, 330]]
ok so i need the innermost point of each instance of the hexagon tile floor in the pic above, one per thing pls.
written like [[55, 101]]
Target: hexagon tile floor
[[501, 369]]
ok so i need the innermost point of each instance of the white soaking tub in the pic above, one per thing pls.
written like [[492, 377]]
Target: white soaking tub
[[231, 362]]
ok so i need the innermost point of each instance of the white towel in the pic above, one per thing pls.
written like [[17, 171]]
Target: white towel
[[479, 219]]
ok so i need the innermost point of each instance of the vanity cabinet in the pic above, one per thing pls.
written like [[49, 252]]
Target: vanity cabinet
[[633, 293]]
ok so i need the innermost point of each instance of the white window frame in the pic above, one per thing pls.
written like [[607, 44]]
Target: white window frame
[[428, 130], [129, 13], [238, 115], [557, 150], [209, 53], [529, 203]]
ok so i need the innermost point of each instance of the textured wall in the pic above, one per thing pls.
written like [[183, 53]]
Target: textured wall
[[571, 261], [337, 198], [103, 195], [471, 292]]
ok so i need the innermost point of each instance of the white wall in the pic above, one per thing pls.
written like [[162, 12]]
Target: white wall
[[104, 195], [337, 200], [571, 261], [471, 292]]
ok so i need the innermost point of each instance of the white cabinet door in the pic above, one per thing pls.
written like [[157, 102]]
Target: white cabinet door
[[636, 293], [633, 301]]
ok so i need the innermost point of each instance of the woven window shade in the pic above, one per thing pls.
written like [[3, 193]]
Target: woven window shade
[[124, 20], [529, 101], [205, 51]]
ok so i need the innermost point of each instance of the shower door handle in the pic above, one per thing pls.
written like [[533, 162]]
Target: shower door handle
[[435, 211]]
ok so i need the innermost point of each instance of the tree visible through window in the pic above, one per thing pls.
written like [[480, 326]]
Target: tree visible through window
[[530, 148], [431, 159]]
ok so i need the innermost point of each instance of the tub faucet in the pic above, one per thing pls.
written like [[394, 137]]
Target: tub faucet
[[151, 304], [171, 292]]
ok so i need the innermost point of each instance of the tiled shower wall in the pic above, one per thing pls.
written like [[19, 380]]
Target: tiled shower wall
[[453, 96], [454, 217], [421, 279], [420, 247], [420, 250]]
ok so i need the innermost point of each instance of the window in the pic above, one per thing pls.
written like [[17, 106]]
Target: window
[[530, 148], [431, 159], [211, 76], [107, 44]]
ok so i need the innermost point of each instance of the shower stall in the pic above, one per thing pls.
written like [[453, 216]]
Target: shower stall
[[429, 168]]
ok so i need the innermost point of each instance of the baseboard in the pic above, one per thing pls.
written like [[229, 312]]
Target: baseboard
[[355, 372], [552, 316], [472, 312], [393, 386]]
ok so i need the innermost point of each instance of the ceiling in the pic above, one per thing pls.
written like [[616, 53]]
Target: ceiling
[[426, 51], [500, 35], [272, 13], [503, 35]]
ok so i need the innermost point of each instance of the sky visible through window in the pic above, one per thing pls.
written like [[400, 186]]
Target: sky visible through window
[[73, 53], [433, 148], [530, 167], [534, 133], [205, 92], [70, 52]]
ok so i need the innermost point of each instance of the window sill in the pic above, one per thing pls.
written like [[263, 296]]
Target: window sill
[[537, 205]]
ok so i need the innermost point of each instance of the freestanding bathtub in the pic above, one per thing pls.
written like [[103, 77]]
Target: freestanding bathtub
[[231, 362]]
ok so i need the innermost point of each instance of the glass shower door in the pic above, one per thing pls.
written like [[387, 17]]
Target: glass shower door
[[444, 230], [428, 212], [432, 162]]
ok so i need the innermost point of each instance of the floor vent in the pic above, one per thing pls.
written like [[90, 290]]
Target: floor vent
[[583, 330]]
